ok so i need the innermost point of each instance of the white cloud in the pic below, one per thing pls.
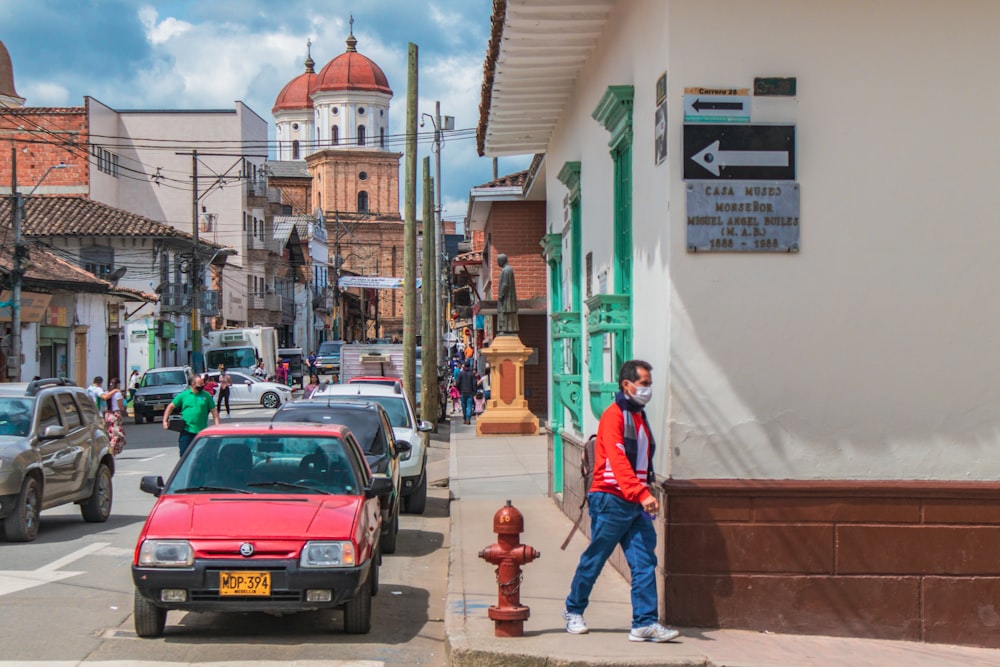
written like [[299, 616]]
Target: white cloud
[[44, 94], [165, 30]]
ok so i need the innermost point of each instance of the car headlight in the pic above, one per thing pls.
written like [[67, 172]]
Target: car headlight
[[327, 554], [140, 399], [166, 553]]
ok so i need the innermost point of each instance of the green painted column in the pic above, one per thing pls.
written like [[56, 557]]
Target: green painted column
[[552, 249]]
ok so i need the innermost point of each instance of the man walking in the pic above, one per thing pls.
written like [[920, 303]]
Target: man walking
[[195, 404], [622, 508], [466, 384]]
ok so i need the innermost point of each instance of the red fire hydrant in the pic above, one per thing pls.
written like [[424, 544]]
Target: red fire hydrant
[[508, 615]]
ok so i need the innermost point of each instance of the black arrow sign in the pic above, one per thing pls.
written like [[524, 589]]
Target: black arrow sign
[[726, 106]]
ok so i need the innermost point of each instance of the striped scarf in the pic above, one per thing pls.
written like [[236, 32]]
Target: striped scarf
[[628, 406]]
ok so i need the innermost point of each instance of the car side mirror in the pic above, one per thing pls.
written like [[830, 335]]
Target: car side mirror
[[402, 447], [380, 486], [425, 427], [152, 484], [53, 431]]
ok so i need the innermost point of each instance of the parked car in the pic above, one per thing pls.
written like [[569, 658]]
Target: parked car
[[372, 429], [328, 357], [392, 381], [262, 518], [54, 450], [248, 390], [412, 464], [157, 388]]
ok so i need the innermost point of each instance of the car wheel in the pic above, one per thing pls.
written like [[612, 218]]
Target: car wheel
[[416, 502], [97, 508], [149, 619], [22, 524], [358, 611], [139, 417], [388, 540], [270, 400]]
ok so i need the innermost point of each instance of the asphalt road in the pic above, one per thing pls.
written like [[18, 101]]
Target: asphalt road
[[68, 595]]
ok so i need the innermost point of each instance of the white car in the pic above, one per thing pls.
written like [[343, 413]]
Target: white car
[[412, 464], [248, 390]]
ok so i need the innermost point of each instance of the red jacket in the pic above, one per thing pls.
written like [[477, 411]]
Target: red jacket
[[613, 473]]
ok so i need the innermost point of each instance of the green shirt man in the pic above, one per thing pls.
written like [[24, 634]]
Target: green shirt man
[[195, 404]]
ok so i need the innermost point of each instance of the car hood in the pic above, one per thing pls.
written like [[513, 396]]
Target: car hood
[[272, 386], [12, 445], [162, 389], [255, 516]]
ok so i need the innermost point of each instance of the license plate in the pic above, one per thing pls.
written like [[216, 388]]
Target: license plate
[[245, 583]]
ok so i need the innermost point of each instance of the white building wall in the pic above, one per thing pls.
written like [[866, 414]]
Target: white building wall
[[92, 311], [867, 354]]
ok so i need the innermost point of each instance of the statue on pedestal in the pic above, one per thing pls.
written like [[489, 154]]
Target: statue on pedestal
[[507, 299]]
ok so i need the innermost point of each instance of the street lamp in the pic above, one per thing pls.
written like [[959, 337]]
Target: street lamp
[[197, 284], [17, 274]]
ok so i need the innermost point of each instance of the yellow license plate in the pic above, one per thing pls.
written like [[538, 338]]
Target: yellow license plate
[[245, 583]]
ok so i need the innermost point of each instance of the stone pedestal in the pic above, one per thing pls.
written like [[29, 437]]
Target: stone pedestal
[[507, 410]]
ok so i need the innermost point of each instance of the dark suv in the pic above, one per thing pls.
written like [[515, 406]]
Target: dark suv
[[372, 429], [54, 450], [157, 388]]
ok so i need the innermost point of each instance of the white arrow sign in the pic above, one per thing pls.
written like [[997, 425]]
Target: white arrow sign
[[12, 581], [714, 160]]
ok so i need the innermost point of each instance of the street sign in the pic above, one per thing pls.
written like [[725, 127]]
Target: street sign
[[745, 152], [717, 108], [742, 216]]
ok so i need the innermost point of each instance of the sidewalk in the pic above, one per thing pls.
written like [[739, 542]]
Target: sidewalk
[[485, 473]]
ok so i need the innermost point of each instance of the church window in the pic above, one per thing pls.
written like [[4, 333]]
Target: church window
[[335, 135], [361, 111], [362, 202], [361, 135], [381, 112], [335, 110], [363, 175], [381, 137], [295, 149], [295, 127]]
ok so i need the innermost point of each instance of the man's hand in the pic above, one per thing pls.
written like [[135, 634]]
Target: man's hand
[[650, 504]]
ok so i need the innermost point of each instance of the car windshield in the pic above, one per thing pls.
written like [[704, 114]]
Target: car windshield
[[394, 406], [266, 464], [362, 423], [239, 357], [15, 416], [163, 378], [330, 347]]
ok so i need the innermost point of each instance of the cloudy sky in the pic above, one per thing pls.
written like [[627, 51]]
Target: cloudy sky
[[133, 54]]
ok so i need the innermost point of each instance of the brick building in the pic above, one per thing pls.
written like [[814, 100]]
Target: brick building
[[506, 219]]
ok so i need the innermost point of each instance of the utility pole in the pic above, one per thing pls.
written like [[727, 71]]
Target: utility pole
[[410, 232], [428, 377], [197, 361], [16, 276]]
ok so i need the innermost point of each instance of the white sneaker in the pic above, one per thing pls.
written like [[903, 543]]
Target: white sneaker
[[652, 633], [575, 625]]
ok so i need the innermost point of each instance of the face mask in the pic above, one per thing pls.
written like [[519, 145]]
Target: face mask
[[642, 395]]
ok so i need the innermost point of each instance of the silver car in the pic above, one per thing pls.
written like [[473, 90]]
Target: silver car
[[54, 450]]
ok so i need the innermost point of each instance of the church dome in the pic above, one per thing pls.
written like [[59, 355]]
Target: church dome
[[7, 74], [296, 93], [352, 71]]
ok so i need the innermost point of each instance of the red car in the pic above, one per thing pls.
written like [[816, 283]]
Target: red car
[[277, 517]]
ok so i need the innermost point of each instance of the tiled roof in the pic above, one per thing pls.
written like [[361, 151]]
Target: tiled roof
[[42, 111], [45, 269], [49, 215], [517, 179], [474, 257], [288, 169]]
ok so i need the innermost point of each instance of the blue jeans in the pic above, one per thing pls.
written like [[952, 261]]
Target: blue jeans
[[185, 440], [468, 403], [615, 521]]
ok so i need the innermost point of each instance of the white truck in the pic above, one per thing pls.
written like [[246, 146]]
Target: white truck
[[243, 348]]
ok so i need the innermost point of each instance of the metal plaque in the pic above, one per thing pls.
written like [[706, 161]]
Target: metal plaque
[[742, 216]]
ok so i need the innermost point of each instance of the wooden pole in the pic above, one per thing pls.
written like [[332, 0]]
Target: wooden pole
[[410, 232], [428, 376]]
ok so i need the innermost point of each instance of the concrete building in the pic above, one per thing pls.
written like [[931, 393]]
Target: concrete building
[[809, 275]]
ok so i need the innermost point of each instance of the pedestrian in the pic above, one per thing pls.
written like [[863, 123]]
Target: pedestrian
[[480, 402], [455, 396], [311, 363], [114, 417], [259, 371], [96, 391], [311, 387], [622, 508], [485, 381], [133, 385], [195, 405], [467, 389], [281, 372], [210, 384], [225, 385]]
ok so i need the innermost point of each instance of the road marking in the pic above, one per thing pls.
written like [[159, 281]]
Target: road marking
[[214, 663], [152, 458], [12, 581]]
